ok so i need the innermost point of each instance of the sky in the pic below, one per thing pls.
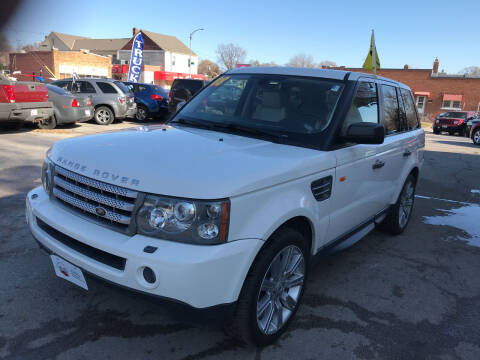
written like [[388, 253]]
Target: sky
[[406, 32]]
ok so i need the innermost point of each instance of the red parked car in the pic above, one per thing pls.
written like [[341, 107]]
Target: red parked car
[[453, 122]]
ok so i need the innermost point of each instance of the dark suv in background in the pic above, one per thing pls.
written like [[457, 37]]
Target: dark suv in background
[[453, 122], [111, 99], [183, 90], [151, 100]]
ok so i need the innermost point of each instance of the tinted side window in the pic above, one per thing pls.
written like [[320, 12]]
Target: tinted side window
[[410, 112], [364, 107], [106, 88], [390, 110], [83, 87], [142, 88]]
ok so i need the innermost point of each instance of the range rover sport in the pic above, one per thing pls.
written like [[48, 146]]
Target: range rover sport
[[259, 174]]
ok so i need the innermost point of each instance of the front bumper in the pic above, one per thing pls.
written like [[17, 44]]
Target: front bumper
[[200, 276], [450, 128]]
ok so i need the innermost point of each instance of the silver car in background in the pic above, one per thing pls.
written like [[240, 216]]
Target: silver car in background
[[68, 108], [111, 99]]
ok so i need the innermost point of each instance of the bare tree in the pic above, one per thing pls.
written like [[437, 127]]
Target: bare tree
[[327, 63], [230, 55], [471, 70], [29, 47], [5, 49], [302, 60], [209, 68], [258, 63]]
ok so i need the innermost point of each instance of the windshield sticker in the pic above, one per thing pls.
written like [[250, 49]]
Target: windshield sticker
[[335, 88], [220, 81]]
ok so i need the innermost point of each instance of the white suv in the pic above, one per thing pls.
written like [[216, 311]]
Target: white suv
[[227, 205]]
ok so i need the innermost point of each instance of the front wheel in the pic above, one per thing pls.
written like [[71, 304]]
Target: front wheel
[[103, 115], [476, 137], [436, 131], [400, 213], [273, 289]]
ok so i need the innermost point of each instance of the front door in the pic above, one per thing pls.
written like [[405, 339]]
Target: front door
[[420, 102]]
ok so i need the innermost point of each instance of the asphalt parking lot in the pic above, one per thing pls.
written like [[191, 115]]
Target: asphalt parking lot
[[414, 296]]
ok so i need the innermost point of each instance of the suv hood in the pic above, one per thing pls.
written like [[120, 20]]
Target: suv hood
[[186, 162]]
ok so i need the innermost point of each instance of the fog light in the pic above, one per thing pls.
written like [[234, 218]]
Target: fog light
[[149, 275]]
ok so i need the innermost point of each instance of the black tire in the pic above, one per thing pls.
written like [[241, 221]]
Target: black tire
[[142, 113], [103, 115], [476, 137], [436, 131], [450, 132], [392, 222], [50, 123], [244, 325]]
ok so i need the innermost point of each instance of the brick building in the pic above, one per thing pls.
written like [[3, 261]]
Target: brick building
[[436, 92], [61, 63]]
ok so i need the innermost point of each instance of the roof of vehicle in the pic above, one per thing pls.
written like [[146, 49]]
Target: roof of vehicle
[[311, 72], [94, 79]]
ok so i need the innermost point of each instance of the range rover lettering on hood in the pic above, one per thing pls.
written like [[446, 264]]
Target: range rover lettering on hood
[[97, 173]]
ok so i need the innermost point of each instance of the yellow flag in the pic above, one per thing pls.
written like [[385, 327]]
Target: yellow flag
[[368, 64]]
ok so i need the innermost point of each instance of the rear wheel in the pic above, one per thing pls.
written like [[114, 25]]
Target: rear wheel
[[450, 132], [142, 113], [50, 123], [400, 213], [272, 290], [103, 115], [476, 137]]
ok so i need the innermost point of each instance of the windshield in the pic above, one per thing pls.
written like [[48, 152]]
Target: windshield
[[58, 90], [275, 103], [454, 114], [123, 87]]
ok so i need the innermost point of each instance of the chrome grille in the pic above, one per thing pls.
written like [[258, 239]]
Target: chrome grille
[[106, 203]]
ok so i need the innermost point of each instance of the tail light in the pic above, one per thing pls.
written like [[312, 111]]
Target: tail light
[[170, 96], [75, 103], [156, 97], [89, 102], [122, 99], [9, 93]]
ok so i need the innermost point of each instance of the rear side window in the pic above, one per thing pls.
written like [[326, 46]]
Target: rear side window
[[125, 89], [66, 85], [389, 117], [364, 107], [58, 90], [106, 88], [191, 85], [409, 106]]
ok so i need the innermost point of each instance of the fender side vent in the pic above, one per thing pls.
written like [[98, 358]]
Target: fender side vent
[[322, 188]]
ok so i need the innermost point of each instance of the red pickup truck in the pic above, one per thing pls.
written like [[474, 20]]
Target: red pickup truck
[[22, 101]]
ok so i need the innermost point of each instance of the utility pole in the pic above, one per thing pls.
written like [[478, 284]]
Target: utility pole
[[190, 55]]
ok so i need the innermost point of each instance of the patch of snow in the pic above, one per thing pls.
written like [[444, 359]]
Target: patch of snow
[[465, 218]]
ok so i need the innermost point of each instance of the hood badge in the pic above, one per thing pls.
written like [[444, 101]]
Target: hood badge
[[100, 211]]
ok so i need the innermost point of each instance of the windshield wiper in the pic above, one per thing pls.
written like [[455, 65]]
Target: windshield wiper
[[274, 137], [192, 123]]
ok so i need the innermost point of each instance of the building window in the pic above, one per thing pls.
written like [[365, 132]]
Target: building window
[[448, 104]]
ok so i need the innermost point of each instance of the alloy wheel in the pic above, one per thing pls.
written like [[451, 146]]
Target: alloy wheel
[[141, 114], [406, 204], [280, 289], [476, 137], [103, 116]]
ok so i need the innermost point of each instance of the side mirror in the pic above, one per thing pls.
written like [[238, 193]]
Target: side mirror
[[180, 105], [365, 133]]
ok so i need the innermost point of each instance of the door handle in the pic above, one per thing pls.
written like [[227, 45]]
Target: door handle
[[378, 164], [407, 153]]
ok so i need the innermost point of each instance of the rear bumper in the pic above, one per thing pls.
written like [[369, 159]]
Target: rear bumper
[[26, 112], [200, 276], [79, 114]]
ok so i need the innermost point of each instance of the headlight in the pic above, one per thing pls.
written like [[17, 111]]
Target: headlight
[[46, 175], [190, 221], [437, 121]]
